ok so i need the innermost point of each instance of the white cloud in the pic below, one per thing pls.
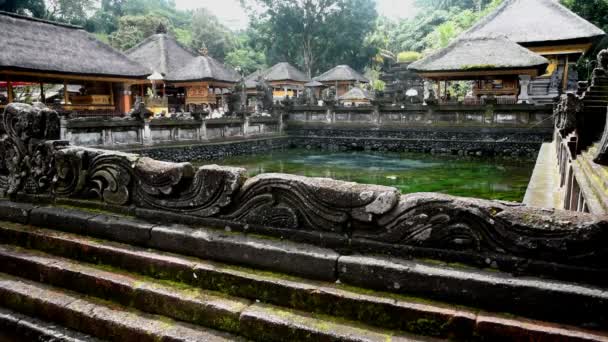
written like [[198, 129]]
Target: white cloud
[[233, 16]]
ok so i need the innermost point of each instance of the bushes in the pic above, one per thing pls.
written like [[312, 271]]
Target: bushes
[[408, 56]]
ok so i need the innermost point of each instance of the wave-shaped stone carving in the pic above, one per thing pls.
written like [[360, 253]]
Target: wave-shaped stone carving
[[296, 202], [372, 214]]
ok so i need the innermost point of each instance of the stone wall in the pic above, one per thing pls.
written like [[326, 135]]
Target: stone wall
[[512, 130], [212, 150], [125, 132]]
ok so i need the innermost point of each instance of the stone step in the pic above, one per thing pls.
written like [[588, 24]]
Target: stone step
[[540, 299], [18, 327], [258, 322], [95, 317]]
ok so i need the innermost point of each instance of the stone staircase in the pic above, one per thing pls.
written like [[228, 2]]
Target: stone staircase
[[76, 274]]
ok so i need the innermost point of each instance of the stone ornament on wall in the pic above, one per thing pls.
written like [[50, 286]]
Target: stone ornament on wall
[[33, 162]]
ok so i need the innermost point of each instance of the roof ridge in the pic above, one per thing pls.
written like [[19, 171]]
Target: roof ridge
[[45, 21]]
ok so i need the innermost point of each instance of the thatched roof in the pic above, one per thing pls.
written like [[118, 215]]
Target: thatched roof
[[480, 54], [36, 45], [160, 53], [534, 21], [314, 84], [251, 81], [203, 68], [341, 73], [356, 93], [284, 72]]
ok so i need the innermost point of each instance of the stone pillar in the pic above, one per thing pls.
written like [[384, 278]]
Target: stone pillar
[[376, 115], [524, 85], [246, 127], [203, 130], [147, 133], [63, 129]]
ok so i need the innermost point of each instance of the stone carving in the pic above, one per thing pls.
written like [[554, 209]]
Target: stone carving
[[237, 101], [374, 216], [287, 201], [601, 157], [264, 94], [139, 110], [566, 111], [27, 153]]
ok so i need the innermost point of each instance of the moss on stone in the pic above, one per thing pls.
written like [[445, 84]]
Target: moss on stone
[[426, 327]]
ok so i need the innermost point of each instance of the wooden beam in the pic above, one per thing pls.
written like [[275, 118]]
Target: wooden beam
[[565, 80], [47, 75], [475, 74], [561, 50]]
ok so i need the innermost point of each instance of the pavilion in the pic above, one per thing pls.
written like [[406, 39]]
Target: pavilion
[[491, 54], [343, 77], [44, 54], [356, 97], [185, 79], [284, 78]]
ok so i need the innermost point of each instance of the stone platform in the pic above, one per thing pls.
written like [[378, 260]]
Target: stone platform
[[544, 190], [78, 275]]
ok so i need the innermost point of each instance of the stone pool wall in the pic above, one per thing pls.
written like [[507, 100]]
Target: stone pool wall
[[447, 140], [212, 150]]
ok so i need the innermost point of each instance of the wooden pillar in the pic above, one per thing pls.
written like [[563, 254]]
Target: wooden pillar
[[111, 93], [141, 90], [66, 98], [9, 91], [565, 80], [125, 98], [42, 97]]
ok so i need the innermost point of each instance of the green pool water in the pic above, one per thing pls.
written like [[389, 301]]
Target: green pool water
[[490, 178]]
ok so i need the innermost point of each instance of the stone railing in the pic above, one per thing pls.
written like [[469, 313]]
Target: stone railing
[[341, 215], [128, 131], [507, 115]]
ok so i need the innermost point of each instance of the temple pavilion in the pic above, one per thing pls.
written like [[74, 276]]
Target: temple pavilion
[[180, 80], [522, 52], [342, 77], [284, 78], [78, 72]]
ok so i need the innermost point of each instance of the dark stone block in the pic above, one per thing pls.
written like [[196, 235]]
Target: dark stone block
[[122, 229], [531, 297], [70, 220], [15, 212], [282, 256]]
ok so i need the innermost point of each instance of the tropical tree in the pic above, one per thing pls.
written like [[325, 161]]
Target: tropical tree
[[315, 34], [209, 33]]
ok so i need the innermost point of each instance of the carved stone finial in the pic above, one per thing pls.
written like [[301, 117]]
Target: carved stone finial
[[204, 51], [602, 59], [161, 29]]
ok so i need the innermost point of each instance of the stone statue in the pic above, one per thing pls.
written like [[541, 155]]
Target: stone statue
[[139, 110], [237, 100], [566, 111], [264, 95], [311, 98]]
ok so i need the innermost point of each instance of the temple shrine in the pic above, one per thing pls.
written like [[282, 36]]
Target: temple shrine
[[64, 67], [284, 78], [513, 55], [180, 80], [342, 77]]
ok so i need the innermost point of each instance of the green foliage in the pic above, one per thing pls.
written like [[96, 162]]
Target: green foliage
[[246, 60], [408, 56], [208, 32], [315, 34], [132, 29], [373, 74]]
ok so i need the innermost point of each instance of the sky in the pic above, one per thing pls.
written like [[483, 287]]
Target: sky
[[234, 17]]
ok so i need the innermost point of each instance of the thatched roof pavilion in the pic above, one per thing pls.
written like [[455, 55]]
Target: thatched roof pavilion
[[356, 97], [343, 77], [480, 56], [285, 79], [524, 45], [35, 50], [188, 78]]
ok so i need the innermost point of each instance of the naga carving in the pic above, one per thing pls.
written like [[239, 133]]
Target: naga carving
[[370, 215], [26, 149], [566, 111]]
